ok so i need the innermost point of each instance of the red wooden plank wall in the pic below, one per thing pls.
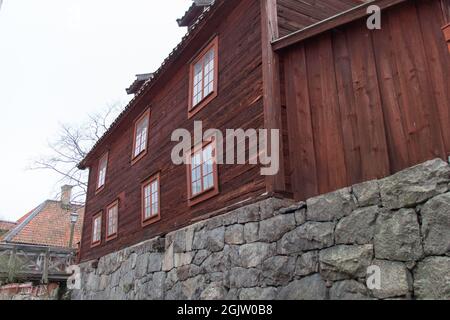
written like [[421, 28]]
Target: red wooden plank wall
[[239, 104], [364, 104]]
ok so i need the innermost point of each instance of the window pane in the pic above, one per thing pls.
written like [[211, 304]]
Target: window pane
[[207, 153], [196, 187], [154, 187], [112, 220], [197, 82], [196, 160], [151, 200], [207, 167], [208, 181], [102, 172], [208, 74], [141, 136], [97, 229]]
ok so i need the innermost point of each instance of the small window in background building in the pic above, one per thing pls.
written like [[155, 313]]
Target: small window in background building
[[112, 217], [141, 136], [101, 175], [150, 201]]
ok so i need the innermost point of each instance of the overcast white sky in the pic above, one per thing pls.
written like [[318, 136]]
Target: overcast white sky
[[59, 61]]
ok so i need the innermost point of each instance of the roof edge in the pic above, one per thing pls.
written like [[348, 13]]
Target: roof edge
[[13, 232]]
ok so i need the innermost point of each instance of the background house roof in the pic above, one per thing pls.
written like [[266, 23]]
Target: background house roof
[[47, 225], [7, 225]]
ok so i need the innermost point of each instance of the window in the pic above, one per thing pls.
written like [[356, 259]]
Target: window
[[203, 78], [101, 174], [97, 229], [150, 201], [112, 217], [202, 174], [140, 139]]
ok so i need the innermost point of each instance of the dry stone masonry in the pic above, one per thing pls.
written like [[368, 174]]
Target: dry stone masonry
[[320, 249]]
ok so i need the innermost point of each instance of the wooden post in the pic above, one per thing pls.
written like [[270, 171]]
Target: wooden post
[[271, 88], [12, 265], [46, 266]]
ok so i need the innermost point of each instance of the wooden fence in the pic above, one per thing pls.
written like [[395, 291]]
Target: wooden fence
[[34, 263]]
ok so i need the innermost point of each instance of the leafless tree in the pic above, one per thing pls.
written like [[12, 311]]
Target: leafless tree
[[71, 145]]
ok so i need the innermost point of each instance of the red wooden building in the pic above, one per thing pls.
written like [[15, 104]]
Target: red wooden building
[[353, 104]]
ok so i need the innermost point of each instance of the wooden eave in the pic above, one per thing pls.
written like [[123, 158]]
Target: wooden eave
[[343, 18]]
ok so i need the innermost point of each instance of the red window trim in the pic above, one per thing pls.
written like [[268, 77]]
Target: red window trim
[[113, 236], [135, 159], [101, 188], [205, 194], [151, 220], [96, 216], [192, 110], [446, 31]]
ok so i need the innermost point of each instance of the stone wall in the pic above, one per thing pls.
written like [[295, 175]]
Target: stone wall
[[320, 249]]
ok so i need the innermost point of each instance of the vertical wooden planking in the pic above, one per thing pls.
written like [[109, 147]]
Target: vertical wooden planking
[[352, 141], [438, 62], [389, 86], [445, 10], [374, 159], [418, 104], [301, 141], [327, 130], [368, 103]]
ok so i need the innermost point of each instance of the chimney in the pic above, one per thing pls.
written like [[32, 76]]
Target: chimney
[[66, 195]]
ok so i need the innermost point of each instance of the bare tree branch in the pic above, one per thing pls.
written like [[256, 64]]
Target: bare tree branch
[[71, 146]]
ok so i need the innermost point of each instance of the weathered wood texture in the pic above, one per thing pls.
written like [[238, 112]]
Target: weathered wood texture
[[294, 15], [29, 263], [364, 104], [239, 104]]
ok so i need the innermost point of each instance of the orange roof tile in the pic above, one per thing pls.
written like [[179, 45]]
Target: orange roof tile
[[48, 225]]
